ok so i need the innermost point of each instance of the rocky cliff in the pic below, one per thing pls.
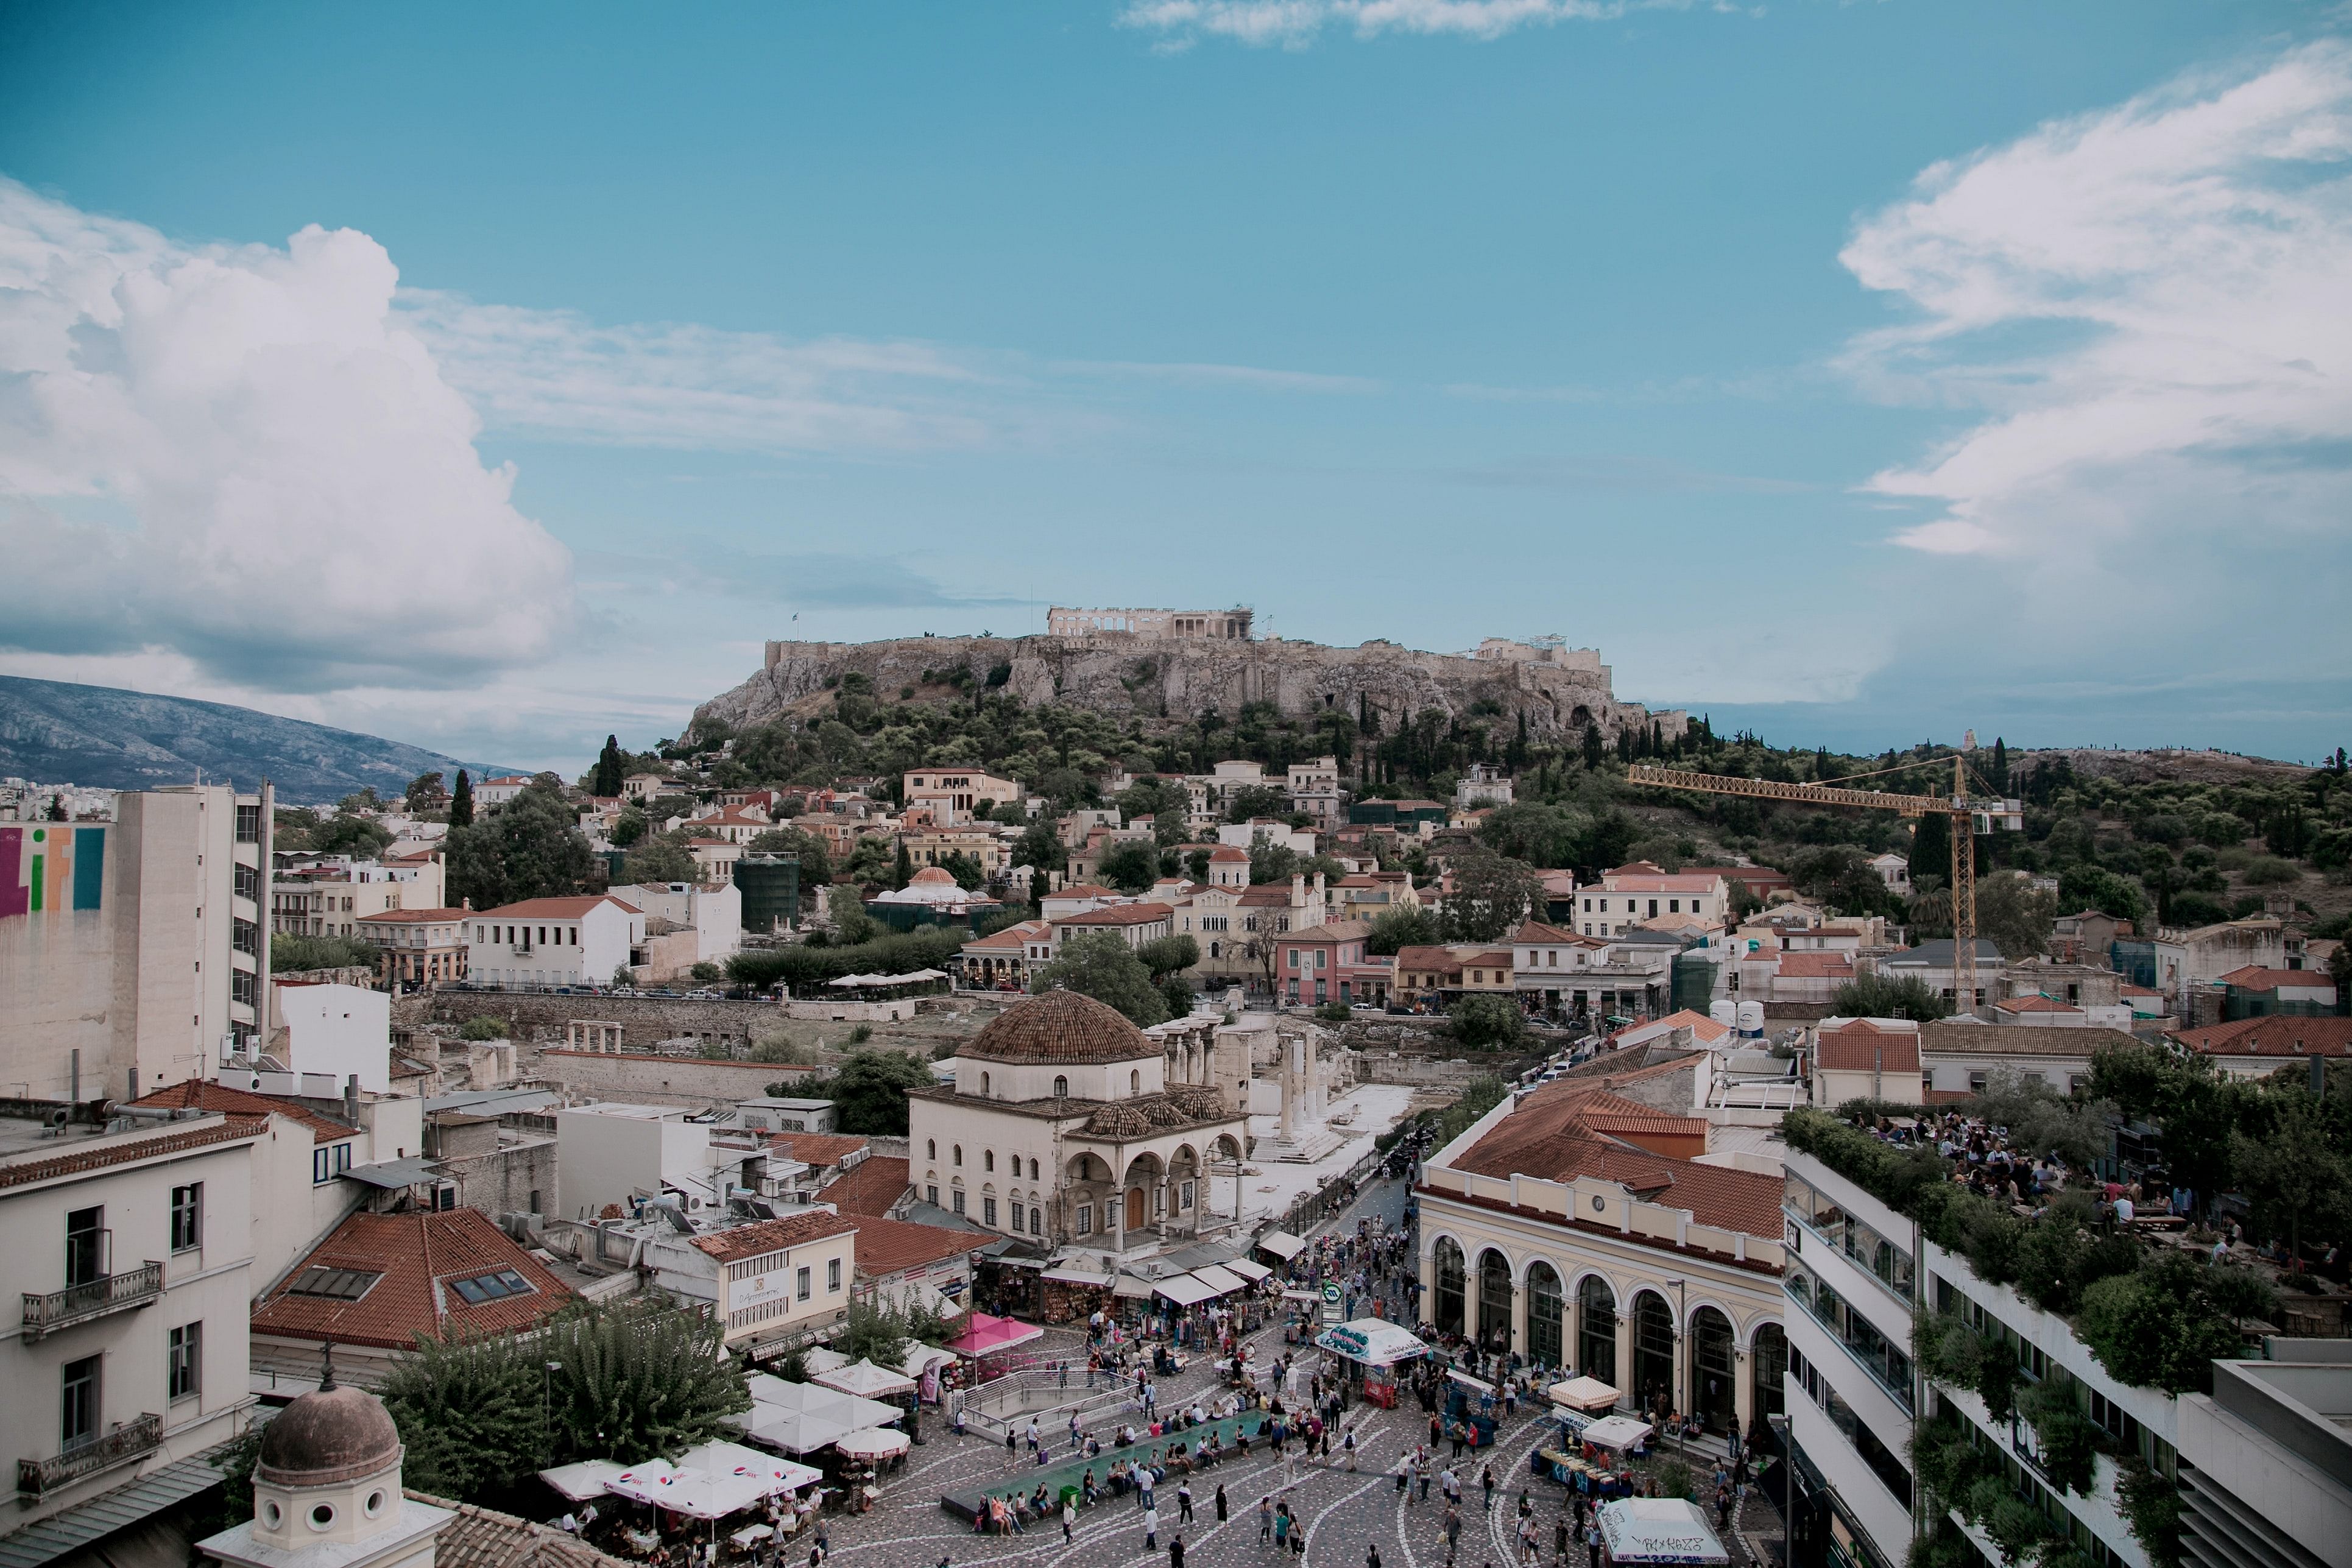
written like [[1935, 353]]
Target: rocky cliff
[[1559, 690]]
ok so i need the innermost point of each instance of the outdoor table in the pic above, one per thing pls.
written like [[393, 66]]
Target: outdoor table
[[643, 1540], [750, 1535]]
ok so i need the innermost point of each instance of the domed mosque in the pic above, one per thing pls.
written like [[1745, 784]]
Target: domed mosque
[[326, 1490], [1069, 1127]]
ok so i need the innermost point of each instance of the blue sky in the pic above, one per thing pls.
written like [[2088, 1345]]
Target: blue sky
[[1861, 371]]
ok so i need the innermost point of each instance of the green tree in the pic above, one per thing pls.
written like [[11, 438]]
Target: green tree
[[869, 1092], [1131, 866], [964, 869], [1931, 848], [851, 924], [1877, 996], [2014, 917], [1257, 800], [1400, 926], [2087, 886], [461, 802], [2156, 1328], [1101, 966], [1492, 894], [424, 792], [1842, 876], [629, 828], [1592, 751], [611, 769], [344, 834], [2292, 1170], [660, 857], [816, 861], [532, 849], [1487, 1023], [292, 955], [483, 1027], [1531, 831], [1169, 955], [902, 867], [1041, 850]]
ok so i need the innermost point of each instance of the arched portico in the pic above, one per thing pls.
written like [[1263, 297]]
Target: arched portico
[[1450, 1285]]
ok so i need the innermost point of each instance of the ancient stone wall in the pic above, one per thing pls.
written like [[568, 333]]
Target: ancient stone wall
[[1177, 678], [638, 1078], [535, 1018]]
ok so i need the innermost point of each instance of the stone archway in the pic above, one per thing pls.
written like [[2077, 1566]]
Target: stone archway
[[1653, 1386], [1493, 1301], [1768, 1363], [1143, 1194], [1714, 1390], [1546, 1304], [1596, 1348], [1453, 1278]]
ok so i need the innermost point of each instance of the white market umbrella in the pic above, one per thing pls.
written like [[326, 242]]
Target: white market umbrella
[[873, 1443], [867, 1381], [1374, 1341], [1584, 1394], [1618, 1432], [656, 1481], [1659, 1530], [582, 1481], [823, 1359]]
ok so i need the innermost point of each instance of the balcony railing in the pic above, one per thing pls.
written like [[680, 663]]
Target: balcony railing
[[37, 1478], [79, 1303]]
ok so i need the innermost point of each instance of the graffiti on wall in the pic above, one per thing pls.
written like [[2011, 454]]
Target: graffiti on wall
[[45, 867]]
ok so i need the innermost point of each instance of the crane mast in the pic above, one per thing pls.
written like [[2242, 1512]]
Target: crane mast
[[1969, 815]]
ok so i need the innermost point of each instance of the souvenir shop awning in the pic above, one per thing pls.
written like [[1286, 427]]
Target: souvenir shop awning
[[1068, 1275], [866, 1381], [1658, 1530], [1282, 1244], [1220, 1280], [988, 1335], [1185, 1290], [1374, 1341], [1617, 1432], [1248, 1269], [1584, 1394]]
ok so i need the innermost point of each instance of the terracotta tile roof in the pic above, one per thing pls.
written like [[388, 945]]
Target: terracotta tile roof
[[1273, 894], [1862, 1046], [2035, 1004], [1559, 1136], [1946, 1037], [417, 1258], [555, 909], [200, 1095], [2274, 1036], [2255, 977], [1333, 930], [1700, 1026], [1118, 915], [774, 1234], [818, 1149], [887, 1247], [100, 1154], [1536, 931], [1011, 938], [416, 917], [484, 1538], [1083, 890], [1444, 961], [1815, 966], [878, 1182]]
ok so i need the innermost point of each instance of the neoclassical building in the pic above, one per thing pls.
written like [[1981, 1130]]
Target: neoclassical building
[[1069, 1126], [1579, 1227]]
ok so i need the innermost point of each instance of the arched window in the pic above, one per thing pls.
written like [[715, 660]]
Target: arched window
[[958, 1153], [1061, 1088], [1135, 1081], [988, 1159], [983, 1083], [1033, 1171], [931, 1147]]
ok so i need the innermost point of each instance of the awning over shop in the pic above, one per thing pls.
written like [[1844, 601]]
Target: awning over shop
[[988, 1335], [866, 1381], [1185, 1290], [1373, 1341], [1069, 1275], [578, 1483], [1282, 1244], [1128, 1287], [1617, 1432], [1584, 1394], [1249, 1268], [393, 1173], [1658, 1530], [1220, 1280]]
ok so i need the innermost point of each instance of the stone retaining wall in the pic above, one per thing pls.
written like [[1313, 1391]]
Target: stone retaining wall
[[537, 1018], [640, 1077]]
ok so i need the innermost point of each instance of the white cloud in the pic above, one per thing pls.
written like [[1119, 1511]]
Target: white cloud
[[1295, 23], [241, 455], [2146, 311]]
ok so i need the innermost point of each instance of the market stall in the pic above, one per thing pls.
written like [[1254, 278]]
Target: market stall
[[1371, 1349], [987, 1336], [866, 1381], [802, 1417], [1658, 1531], [1281, 1245], [1621, 1434]]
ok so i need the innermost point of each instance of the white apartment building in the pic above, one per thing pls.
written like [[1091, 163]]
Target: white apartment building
[[330, 897], [773, 1283], [1631, 894], [1314, 788], [553, 942], [501, 790], [1482, 785], [709, 919], [132, 952], [134, 1250]]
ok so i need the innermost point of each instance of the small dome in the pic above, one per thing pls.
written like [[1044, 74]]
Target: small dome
[[339, 1433], [931, 877], [1061, 1027], [1118, 1121]]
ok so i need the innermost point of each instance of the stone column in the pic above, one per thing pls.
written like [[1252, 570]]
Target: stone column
[[1629, 1395], [1469, 1297], [1743, 1387], [1519, 1294], [1571, 1329]]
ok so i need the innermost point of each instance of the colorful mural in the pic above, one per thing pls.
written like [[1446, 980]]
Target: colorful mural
[[45, 867]]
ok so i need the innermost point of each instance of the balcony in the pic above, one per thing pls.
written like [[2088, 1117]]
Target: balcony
[[79, 1303], [35, 1478]]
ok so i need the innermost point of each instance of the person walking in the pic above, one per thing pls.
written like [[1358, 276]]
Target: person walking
[[1069, 1515], [1486, 1481], [1150, 1528], [1264, 1519], [1183, 1502], [1282, 1524], [1373, 1554], [1176, 1550], [1559, 1539]]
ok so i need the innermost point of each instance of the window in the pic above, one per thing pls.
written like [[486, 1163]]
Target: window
[[931, 1147], [248, 824], [249, 882], [988, 1211], [1061, 1088], [1294, 957], [958, 1200], [188, 1217], [800, 1288], [78, 1406], [1086, 1219], [86, 1245], [1135, 1082], [1018, 1223], [958, 1152], [1036, 1222], [240, 986], [1033, 1170], [988, 1159], [183, 1360], [491, 1287], [833, 1276], [335, 1284], [329, 1163], [983, 1083], [1674, 906], [245, 936], [931, 1195], [1184, 1198]]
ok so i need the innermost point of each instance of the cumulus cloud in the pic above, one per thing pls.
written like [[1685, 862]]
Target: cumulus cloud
[[242, 454], [1295, 23], [2143, 314]]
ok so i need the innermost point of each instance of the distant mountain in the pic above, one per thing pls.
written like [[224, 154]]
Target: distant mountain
[[104, 737]]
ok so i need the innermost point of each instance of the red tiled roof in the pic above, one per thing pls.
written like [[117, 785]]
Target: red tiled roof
[[773, 1235], [2274, 1036], [1118, 915], [878, 1182], [1536, 931], [2255, 977], [1440, 959], [1815, 965], [887, 1246], [1335, 931], [100, 1154], [1011, 938], [199, 1095], [555, 909], [1083, 890], [2035, 1004], [818, 1149], [1861, 1046], [416, 917], [418, 1257]]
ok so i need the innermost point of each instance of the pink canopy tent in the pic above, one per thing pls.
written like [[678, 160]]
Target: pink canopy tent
[[988, 1335]]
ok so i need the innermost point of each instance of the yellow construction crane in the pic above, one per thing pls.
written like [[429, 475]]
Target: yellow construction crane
[[1970, 814]]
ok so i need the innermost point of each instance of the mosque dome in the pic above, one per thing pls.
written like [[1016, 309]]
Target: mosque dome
[[1061, 1027]]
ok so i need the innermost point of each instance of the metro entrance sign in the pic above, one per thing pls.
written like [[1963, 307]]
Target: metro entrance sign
[[1331, 1303]]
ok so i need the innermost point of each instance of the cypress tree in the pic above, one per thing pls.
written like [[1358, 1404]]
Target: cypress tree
[[904, 872], [606, 782], [1591, 746], [461, 802], [2000, 764]]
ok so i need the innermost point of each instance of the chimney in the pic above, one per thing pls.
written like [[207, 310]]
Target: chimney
[[352, 1100], [74, 1093]]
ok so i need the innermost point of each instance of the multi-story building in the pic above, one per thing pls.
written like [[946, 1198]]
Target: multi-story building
[[331, 895], [1482, 785], [953, 793], [132, 952], [1639, 892], [2265, 1468], [553, 942], [501, 790], [1575, 1226], [419, 947], [134, 1250], [1314, 788]]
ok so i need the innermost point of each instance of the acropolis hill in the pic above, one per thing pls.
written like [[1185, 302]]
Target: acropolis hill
[[1177, 664]]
